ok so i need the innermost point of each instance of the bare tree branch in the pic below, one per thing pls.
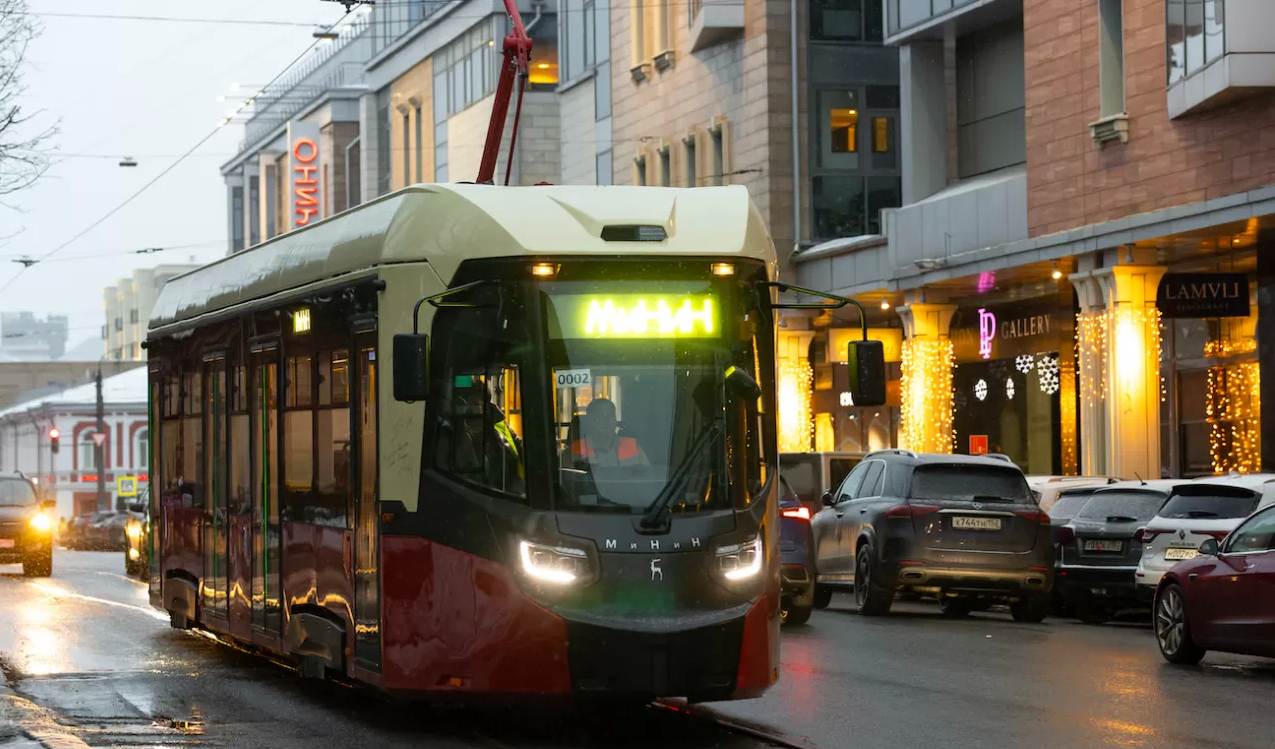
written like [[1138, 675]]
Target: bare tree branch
[[23, 148]]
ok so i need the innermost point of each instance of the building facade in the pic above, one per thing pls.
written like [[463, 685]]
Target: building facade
[[70, 475], [1081, 258], [128, 308], [25, 337]]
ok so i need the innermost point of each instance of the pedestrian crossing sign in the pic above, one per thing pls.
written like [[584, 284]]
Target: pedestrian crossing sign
[[126, 486]]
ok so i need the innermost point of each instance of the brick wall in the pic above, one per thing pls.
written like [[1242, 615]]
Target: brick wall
[[1074, 182]]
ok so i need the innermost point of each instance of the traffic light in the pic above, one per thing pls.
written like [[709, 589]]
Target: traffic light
[[54, 437]]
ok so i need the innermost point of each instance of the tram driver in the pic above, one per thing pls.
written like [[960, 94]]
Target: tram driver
[[600, 443]]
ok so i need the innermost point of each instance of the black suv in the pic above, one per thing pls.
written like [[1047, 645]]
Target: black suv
[[965, 529], [26, 526]]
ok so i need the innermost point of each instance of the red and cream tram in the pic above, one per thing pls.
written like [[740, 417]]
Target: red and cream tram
[[483, 440]]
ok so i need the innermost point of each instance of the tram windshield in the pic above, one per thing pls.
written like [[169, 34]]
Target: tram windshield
[[638, 398]]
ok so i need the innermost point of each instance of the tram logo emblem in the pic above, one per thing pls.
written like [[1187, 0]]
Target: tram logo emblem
[[656, 572]]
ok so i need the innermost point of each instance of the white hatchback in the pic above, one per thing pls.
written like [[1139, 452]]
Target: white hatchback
[[1208, 508]]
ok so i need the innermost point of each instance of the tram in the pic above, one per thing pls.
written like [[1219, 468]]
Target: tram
[[483, 440]]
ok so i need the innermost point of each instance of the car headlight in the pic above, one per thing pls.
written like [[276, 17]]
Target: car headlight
[[41, 522], [134, 530], [559, 565], [740, 561]]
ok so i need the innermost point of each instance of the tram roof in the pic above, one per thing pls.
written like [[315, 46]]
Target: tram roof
[[444, 224]]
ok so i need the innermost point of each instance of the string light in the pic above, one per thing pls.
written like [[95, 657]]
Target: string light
[[925, 413], [1231, 409], [796, 426], [1091, 347]]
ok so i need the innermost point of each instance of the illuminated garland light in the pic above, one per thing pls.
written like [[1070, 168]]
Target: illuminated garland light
[[980, 390], [1091, 347], [796, 427], [1024, 363], [925, 412], [1067, 416], [1231, 408], [1009, 388]]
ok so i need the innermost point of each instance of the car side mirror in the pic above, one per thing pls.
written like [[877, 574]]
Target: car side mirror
[[827, 499], [1210, 547], [411, 367], [48, 504], [867, 373]]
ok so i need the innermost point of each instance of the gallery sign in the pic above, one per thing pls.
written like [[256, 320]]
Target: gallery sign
[[304, 169], [1203, 295]]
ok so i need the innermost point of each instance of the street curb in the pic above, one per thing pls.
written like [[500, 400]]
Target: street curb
[[30, 721]]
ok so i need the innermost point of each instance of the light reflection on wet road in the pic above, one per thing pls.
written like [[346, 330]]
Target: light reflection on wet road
[[86, 644]]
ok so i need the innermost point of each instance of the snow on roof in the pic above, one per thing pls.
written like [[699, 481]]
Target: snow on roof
[[126, 387]]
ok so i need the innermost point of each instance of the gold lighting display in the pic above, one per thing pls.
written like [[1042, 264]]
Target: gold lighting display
[[796, 426], [1231, 406], [926, 388], [1091, 345]]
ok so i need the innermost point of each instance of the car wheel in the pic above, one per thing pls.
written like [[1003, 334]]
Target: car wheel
[[823, 596], [869, 597], [1032, 609], [1171, 629], [40, 565], [955, 607], [794, 615]]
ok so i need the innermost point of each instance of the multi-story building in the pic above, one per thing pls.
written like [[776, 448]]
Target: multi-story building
[[71, 474], [1082, 257], [25, 337], [128, 307]]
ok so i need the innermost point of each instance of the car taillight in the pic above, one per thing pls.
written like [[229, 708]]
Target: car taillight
[[1034, 516], [1147, 535], [1066, 535], [911, 511], [801, 513]]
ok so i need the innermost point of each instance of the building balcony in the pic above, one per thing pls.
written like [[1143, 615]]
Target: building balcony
[[1218, 53], [715, 21]]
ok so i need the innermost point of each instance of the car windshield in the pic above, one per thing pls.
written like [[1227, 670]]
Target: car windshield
[[1068, 505], [968, 481], [1121, 507], [16, 493], [1209, 506], [639, 397]]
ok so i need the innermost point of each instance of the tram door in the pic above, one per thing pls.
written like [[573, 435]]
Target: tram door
[[239, 505], [264, 422], [215, 515], [367, 591]]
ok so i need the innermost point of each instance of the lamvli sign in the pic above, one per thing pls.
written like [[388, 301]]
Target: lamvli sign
[[1203, 295]]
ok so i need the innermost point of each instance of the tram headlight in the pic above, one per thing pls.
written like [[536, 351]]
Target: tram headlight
[[740, 561], [559, 565]]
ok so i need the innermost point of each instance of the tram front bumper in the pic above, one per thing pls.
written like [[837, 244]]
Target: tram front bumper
[[699, 663]]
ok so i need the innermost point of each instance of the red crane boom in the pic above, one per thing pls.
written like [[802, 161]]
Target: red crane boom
[[516, 63]]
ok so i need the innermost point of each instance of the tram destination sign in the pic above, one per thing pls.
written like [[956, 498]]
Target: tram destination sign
[[1203, 295], [645, 316]]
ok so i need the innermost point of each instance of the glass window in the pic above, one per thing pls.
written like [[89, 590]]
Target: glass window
[[688, 156], [1194, 30], [544, 56], [966, 481], [838, 128], [478, 409], [1105, 505], [883, 192], [884, 150], [16, 493], [602, 92], [1258, 534], [602, 34], [1214, 21], [143, 449], [665, 169], [717, 158], [298, 435], [872, 480], [1175, 39], [87, 458], [1067, 506], [850, 487], [603, 168], [839, 207], [236, 218], [839, 20], [1210, 506]]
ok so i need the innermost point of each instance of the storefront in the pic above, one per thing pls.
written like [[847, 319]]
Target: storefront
[[1210, 410], [1014, 384], [839, 425]]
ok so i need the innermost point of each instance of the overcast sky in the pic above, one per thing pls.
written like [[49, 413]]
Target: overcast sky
[[148, 89]]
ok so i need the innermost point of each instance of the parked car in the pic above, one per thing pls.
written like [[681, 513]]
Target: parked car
[[136, 533], [27, 525], [99, 531], [1099, 550], [966, 529], [812, 474], [76, 533], [797, 557], [1221, 600], [1207, 508], [1050, 488]]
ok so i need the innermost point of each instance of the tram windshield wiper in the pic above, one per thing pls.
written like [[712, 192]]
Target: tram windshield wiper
[[653, 518]]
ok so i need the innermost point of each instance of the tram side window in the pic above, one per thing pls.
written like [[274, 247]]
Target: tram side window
[[170, 432], [298, 438], [332, 438], [479, 431], [190, 482], [240, 495]]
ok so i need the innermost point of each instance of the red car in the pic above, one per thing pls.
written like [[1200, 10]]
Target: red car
[[1223, 599]]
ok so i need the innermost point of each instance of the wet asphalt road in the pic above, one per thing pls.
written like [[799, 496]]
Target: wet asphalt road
[[88, 661]]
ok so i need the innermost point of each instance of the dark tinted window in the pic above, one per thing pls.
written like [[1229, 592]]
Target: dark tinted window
[[801, 475], [958, 481], [1067, 506], [1257, 534], [1209, 506], [1127, 506], [851, 485], [15, 493], [839, 468], [871, 486]]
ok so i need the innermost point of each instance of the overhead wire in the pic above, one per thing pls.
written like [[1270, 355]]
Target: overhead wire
[[164, 172]]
